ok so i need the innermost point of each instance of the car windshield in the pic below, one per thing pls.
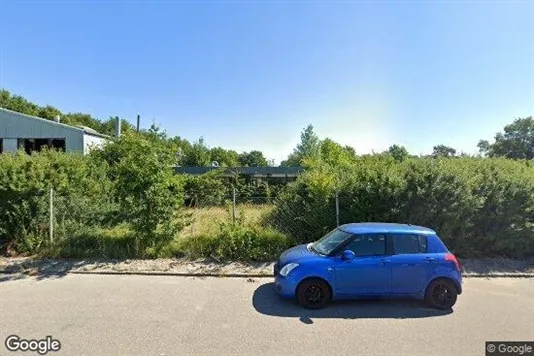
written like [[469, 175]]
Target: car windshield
[[330, 241]]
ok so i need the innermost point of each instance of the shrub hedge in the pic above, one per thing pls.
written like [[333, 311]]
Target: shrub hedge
[[480, 207]]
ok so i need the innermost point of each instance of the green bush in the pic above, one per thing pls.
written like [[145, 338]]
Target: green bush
[[125, 201], [205, 190], [480, 207], [146, 189], [25, 182]]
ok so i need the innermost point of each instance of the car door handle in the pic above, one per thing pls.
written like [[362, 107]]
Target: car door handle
[[384, 262], [429, 259], [405, 264]]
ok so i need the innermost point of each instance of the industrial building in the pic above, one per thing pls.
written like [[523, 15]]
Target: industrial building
[[30, 133], [251, 174]]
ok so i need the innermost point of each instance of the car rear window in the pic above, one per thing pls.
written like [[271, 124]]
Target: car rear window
[[408, 243]]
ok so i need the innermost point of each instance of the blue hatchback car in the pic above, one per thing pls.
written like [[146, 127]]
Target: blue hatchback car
[[369, 260]]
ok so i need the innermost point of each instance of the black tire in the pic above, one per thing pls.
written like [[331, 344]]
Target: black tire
[[441, 294], [314, 293]]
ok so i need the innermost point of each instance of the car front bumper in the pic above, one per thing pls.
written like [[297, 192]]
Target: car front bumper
[[283, 286]]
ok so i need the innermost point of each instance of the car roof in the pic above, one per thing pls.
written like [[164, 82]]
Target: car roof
[[380, 227]]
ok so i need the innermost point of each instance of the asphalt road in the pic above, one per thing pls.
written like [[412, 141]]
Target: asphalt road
[[143, 315]]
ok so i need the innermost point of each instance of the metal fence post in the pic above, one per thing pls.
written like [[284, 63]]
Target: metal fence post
[[233, 205], [51, 212], [337, 208]]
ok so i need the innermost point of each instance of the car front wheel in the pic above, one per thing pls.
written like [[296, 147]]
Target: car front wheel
[[441, 294], [313, 293]]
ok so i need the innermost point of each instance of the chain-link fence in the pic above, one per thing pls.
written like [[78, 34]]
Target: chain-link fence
[[58, 217], [76, 225], [291, 219], [205, 216], [66, 224]]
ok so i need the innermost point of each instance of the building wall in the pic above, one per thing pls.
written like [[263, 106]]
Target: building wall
[[90, 142], [15, 125], [9, 145]]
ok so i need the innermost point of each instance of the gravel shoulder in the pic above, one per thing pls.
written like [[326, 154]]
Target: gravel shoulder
[[494, 267]]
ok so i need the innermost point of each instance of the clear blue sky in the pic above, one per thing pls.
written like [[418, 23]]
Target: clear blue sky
[[251, 74]]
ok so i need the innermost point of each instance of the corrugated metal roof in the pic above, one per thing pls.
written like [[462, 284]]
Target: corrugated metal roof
[[14, 114]]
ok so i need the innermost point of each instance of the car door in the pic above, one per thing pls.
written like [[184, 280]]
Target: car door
[[369, 273], [410, 264]]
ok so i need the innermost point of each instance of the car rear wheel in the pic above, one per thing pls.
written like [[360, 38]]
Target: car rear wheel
[[441, 294], [313, 293]]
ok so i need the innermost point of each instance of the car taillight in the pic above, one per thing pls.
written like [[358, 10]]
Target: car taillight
[[452, 258]]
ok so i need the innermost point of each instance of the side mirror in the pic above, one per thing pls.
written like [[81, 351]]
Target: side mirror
[[348, 255]]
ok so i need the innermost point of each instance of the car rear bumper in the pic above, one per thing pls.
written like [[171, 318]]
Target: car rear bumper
[[459, 283]]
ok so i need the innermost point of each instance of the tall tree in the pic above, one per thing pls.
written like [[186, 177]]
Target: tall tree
[[350, 150], [253, 159], [334, 154], [225, 158], [516, 142], [198, 155], [399, 153], [308, 147], [443, 151], [49, 112]]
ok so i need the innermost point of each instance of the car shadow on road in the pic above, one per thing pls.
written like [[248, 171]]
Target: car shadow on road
[[267, 302]]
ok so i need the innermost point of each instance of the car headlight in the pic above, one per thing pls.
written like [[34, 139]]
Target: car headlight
[[288, 268]]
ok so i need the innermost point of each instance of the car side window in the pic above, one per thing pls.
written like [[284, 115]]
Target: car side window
[[368, 245], [409, 244], [422, 244]]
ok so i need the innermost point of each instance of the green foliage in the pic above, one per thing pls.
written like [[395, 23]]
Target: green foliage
[[443, 151], [225, 158], [478, 206], [116, 243], [24, 187], [399, 153], [125, 200], [207, 189], [107, 127], [235, 242], [312, 151], [146, 188], [334, 154], [308, 148], [197, 155], [304, 208], [19, 104], [516, 142], [252, 159]]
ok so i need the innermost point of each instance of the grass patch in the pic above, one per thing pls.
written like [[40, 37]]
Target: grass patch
[[205, 221], [233, 242], [211, 234], [115, 243]]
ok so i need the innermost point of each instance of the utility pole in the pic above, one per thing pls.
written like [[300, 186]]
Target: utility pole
[[138, 121]]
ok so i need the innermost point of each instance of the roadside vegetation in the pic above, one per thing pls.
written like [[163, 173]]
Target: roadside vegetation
[[125, 201]]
